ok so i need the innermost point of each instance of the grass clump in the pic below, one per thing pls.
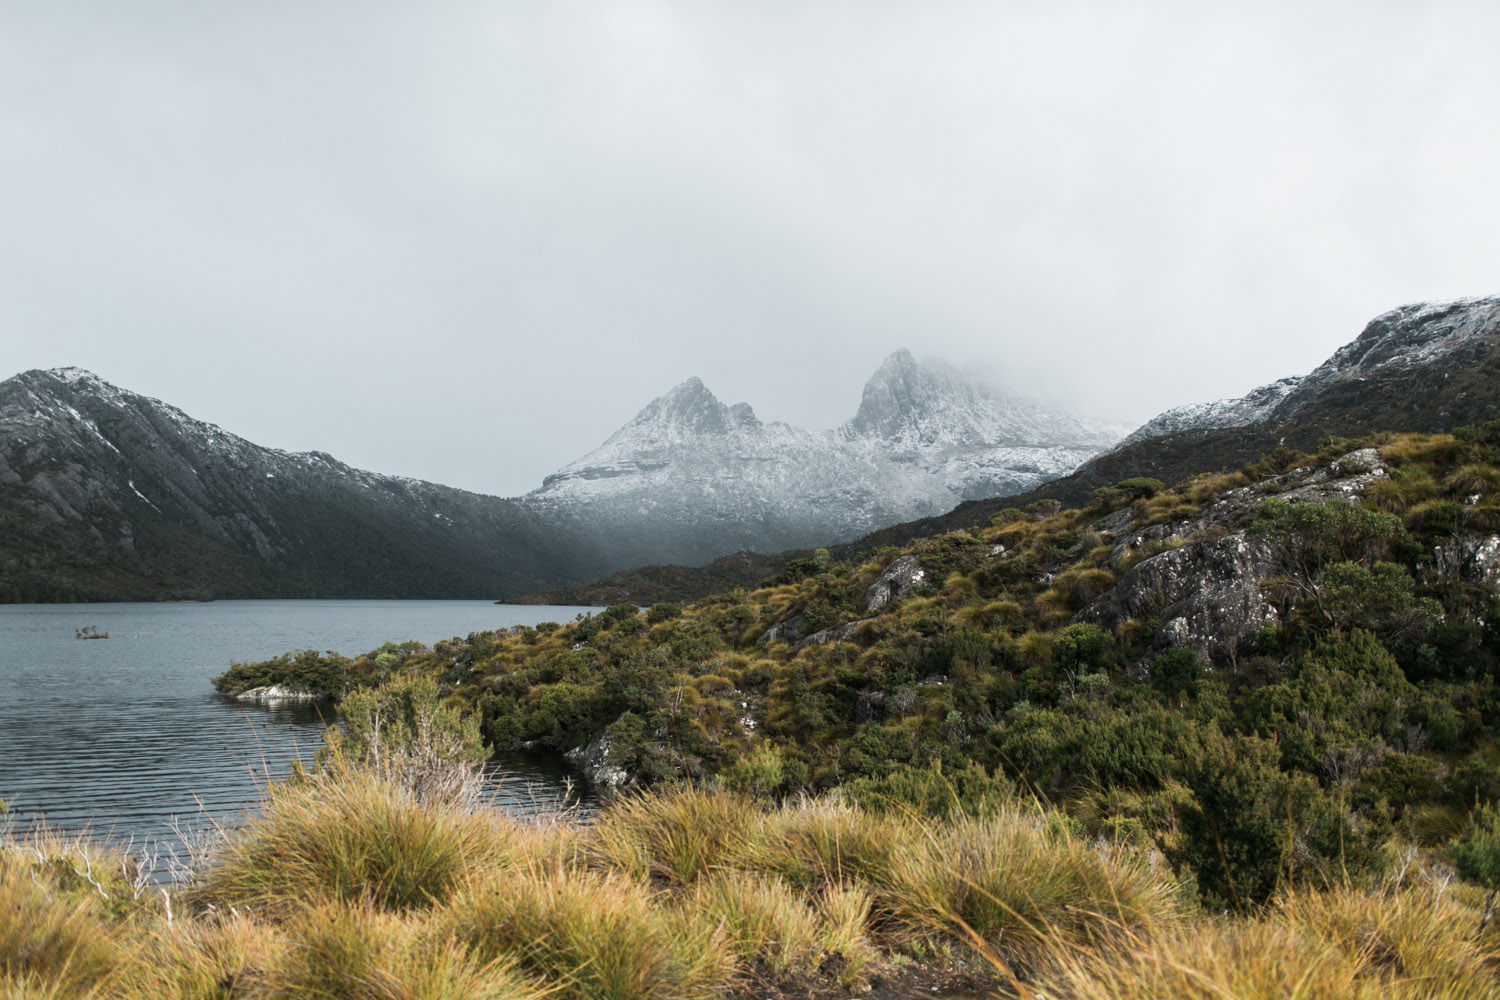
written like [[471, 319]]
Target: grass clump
[[336, 952], [1344, 944], [352, 837], [592, 935], [769, 926], [216, 954], [1017, 885], [678, 836], [51, 944]]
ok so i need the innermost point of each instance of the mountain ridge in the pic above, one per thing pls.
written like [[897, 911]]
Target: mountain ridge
[[1423, 367], [108, 494]]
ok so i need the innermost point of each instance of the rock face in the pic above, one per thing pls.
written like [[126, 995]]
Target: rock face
[[1470, 560], [1207, 595], [593, 759], [690, 478], [893, 583], [1206, 587]]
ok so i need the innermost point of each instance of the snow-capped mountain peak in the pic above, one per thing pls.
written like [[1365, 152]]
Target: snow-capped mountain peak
[[688, 409], [689, 478], [1409, 339], [930, 404]]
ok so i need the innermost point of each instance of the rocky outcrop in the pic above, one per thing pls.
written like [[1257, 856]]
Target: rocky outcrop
[[1205, 588], [593, 759], [846, 632], [893, 583], [791, 630], [1206, 595], [1473, 559]]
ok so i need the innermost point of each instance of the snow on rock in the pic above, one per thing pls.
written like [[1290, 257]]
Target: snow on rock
[[1248, 409], [1407, 337]]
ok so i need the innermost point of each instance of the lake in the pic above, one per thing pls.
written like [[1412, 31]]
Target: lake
[[119, 736]]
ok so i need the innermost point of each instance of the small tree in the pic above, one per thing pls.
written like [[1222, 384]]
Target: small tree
[[401, 732], [1176, 671], [1313, 537]]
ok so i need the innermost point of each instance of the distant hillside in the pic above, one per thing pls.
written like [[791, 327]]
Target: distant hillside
[[668, 584], [105, 494]]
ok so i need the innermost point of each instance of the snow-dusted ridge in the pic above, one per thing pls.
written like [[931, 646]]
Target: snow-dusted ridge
[[1407, 337], [1250, 408], [686, 480], [98, 484]]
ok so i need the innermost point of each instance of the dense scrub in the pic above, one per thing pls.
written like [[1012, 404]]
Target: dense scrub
[[1361, 718]]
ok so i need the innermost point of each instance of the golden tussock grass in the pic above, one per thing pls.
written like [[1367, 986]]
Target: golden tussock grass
[[51, 942], [352, 837], [592, 935], [1342, 944], [348, 887]]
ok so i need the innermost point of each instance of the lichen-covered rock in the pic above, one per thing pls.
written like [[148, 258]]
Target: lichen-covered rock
[[1473, 559], [893, 583], [843, 633], [593, 760], [1206, 595], [791, 631]]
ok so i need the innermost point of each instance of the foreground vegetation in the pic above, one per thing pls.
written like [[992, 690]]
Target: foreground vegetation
[[352, 883]]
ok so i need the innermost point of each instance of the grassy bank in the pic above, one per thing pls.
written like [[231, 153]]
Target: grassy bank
[[351, 885]]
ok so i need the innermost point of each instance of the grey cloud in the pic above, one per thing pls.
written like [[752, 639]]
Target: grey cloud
[[464, 241]]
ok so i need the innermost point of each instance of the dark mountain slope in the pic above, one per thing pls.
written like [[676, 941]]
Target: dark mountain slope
[[106, 494]]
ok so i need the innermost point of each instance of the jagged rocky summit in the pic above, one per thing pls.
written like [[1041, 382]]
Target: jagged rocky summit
[[690, 478], [1426, 368]]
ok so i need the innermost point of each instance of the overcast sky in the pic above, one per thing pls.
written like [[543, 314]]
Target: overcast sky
[[466, 241]]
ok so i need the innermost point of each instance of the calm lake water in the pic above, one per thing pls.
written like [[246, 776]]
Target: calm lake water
[[118, 736]]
